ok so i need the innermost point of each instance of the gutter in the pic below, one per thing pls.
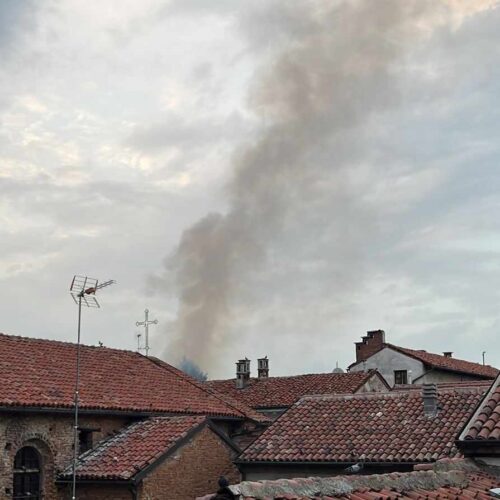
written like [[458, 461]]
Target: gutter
[[113, 413], [345, 464], [479, 447], [120, 482]]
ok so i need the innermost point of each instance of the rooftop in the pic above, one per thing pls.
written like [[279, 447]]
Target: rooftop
[[372, 428], [280, 392], [124, 455], [485, 423], [449, 363], [447, 480], [41, 374]]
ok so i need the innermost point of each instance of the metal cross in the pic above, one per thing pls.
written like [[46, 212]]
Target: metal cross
[[146, 324]]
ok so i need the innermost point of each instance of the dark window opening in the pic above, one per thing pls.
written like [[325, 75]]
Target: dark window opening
[[400, 377], [85, 440], [27, 474]]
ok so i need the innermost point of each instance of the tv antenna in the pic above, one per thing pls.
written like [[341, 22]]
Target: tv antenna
[[83, 290], [145, 324]]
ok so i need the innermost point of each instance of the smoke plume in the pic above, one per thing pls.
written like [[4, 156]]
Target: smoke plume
[[338, 68]]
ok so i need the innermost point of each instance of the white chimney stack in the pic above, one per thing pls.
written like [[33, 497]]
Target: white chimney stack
[[242, 373]]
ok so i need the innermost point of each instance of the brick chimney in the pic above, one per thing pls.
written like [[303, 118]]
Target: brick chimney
[[242, 373], [430, 399], [263, 367], [448, 354], [371, 343]]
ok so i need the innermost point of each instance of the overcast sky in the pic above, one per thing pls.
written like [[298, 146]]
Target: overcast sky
[[267, 177]]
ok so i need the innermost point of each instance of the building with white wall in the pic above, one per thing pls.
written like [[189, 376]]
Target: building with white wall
[[401, 366]]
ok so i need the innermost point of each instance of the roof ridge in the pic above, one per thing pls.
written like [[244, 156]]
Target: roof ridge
[[65, 342], [437, 354], [393, 393], [352, 374]]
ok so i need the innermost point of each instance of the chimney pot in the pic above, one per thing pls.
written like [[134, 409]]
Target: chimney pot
[[448, 354], [430, 400], [242, 373], [263, 367]]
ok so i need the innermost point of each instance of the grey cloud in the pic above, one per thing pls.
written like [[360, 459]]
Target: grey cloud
[[16, 17], [183, 134]]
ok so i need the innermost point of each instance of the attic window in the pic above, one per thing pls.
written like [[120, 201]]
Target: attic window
[[400, 377], [85, 440]]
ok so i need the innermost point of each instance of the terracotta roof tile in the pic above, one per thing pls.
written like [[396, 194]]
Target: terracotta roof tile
[[447, 363], [41, 373], [280, 392], [376, 427], [129, 452], [485, 424], [457, 480], [466, 385]]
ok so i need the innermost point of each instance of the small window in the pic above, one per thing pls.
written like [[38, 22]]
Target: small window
[[85, 440], [27, 474], [400, 377]]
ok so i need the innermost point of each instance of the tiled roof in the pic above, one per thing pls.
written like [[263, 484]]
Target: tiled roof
[[279, 392], [376, 427], [451, 364], [466, 385], [124, 455], [485, 424], [454, 481], [41, 373]]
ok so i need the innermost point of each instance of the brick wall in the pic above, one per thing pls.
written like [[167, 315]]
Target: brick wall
[[371, 343], [102, 492], [52, 436], [193, 470]]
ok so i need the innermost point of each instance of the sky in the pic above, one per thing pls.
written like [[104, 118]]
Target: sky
[[267, 177]]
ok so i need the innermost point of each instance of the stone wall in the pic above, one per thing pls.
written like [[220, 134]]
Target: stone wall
[[52, 436]]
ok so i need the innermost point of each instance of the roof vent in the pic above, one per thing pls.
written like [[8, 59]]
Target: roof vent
[[430, 399], [448, 354]]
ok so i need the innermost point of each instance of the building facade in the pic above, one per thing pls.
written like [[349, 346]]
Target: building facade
[[402, 366]]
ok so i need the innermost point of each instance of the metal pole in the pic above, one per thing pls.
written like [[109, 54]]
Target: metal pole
[[147, 331], [484, 352], [77, 397]]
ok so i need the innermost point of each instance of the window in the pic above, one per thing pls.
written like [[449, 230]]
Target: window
[[400, 377], [27, 474], [85, 440]]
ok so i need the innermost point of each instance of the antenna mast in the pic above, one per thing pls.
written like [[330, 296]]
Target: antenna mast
[[83, 290]]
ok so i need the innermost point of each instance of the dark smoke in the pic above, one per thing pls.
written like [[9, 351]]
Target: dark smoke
[[338, 70], [192, 369]]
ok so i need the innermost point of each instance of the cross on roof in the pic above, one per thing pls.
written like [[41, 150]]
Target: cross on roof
[[146, 324]]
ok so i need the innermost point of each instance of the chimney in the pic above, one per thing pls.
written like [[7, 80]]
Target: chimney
[[371, 343], [242, 373], [448, 354], [430, 400], [263, 367]]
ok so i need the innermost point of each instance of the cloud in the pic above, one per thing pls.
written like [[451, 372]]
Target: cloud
[[309, 169]]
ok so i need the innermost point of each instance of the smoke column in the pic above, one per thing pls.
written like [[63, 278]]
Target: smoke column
[[339, 68]]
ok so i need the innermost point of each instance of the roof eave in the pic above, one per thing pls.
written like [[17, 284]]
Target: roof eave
[[328, 463], [113, 412]]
